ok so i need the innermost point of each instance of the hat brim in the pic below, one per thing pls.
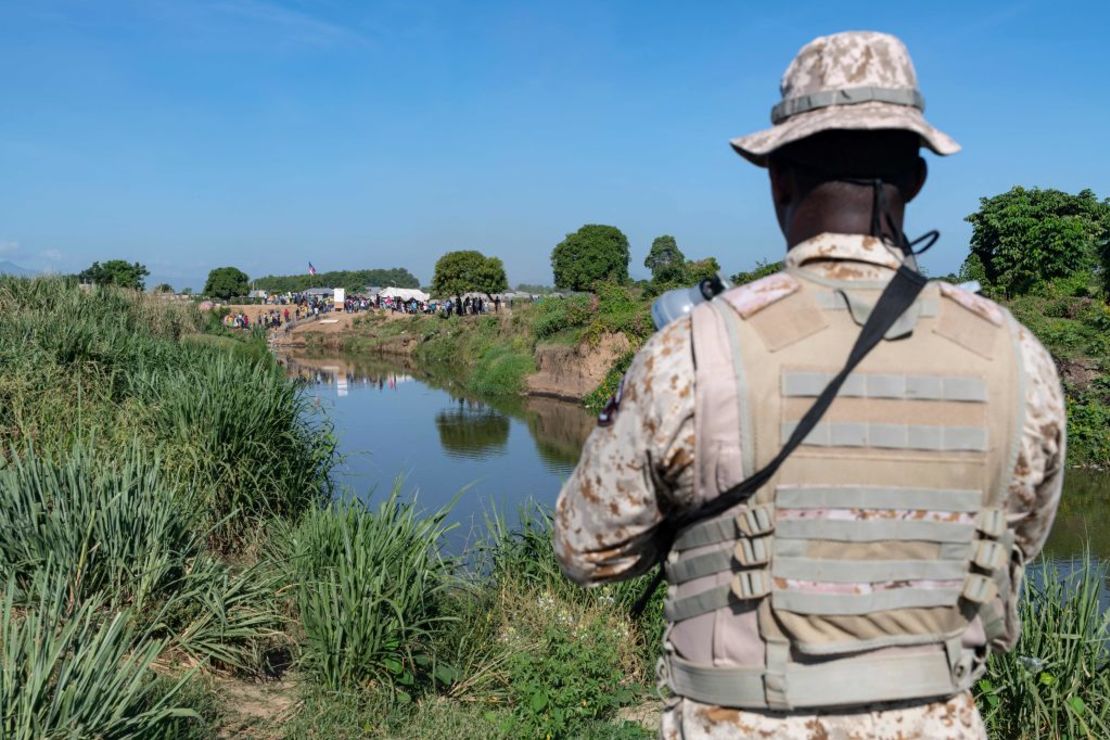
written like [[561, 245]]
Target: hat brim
[[860, 117]]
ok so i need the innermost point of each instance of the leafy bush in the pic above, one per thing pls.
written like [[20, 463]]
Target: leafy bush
[[574, 656], [554, 315], [368, 588], [1025, 237], [620, 311], [565, 669]]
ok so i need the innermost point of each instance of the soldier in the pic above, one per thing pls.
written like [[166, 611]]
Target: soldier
[[858, 591]]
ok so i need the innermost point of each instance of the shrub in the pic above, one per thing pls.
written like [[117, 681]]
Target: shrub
[[555, 315], [574, 656], [620, 311]]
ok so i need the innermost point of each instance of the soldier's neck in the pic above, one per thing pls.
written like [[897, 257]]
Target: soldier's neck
[[821, 213], [837, 223]]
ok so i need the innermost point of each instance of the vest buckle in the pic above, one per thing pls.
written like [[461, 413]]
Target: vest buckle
[[755, 520], [752, 551], [990, 555], [979, 589], [751, 584]]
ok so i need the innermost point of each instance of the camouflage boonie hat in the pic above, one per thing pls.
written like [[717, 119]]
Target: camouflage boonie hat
[[859, 80]]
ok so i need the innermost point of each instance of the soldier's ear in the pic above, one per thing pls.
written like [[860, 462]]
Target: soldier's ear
[[782, 184], [919, 179]]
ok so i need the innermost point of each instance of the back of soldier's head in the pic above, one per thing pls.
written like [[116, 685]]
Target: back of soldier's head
[[837, 155]]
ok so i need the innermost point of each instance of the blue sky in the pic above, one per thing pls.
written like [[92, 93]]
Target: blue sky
[[267, 133]]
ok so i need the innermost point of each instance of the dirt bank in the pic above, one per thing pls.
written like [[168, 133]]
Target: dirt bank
[[571, 372], [563, 371]]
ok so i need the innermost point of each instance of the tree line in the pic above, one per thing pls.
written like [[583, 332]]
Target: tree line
[[355, 281], [1021, 240]]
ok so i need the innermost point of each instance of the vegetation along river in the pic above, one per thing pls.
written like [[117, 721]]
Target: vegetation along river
[[392, 419]]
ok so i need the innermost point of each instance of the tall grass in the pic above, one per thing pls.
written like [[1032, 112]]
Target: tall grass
[[117, 536], [369, 589], [133, 458], [108, 369], [1055, 683], [78, 670]]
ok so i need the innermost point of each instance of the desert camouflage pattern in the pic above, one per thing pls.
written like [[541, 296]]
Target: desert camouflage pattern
[[955, 718], [641, 466], [846, 61]]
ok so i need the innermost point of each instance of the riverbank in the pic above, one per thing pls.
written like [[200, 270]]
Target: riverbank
[[578, 348], [173, 565], [561, 348]]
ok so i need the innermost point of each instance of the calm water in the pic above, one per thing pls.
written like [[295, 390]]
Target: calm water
[[392, 420]]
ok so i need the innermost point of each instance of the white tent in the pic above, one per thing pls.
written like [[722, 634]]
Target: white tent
[[405, 294]]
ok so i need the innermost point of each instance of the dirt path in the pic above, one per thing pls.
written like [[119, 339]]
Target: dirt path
[[255, 710]]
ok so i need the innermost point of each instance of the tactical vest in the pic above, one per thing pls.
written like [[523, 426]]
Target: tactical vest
[[876, 564]]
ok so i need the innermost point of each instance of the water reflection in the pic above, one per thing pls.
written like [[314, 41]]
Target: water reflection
[[472, 429], [559, 429], [1082, 507], [392, 419]]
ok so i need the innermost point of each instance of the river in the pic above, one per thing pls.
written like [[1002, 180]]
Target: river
[[395, 422]]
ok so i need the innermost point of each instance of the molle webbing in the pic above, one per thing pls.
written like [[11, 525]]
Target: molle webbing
[[862, 680], [849, 574], [911, 387], [893, 436]]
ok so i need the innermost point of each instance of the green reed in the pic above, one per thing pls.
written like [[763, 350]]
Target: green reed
[[1055, 682], [369, 588], [78, 670], [117, 536]]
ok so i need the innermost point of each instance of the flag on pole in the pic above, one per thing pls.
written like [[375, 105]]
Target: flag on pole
[[311, 269]]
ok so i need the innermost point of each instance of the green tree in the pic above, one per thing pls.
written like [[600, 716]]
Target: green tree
[[593, 253], [163, 288], [354, 281], [224, 282], [665, 259], [467, 270], [115, 272], [697, 270], [1023, 238], [762, 269]]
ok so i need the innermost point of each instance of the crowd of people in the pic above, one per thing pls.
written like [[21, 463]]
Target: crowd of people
[[292, 307]]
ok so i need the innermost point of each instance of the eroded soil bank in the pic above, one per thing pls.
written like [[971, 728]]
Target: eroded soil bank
[[496, 353]]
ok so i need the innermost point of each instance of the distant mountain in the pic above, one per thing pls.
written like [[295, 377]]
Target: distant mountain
[[10, 268]]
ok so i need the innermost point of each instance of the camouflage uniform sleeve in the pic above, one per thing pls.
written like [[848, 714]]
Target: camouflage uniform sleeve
[[1038, 475], [631, 470]]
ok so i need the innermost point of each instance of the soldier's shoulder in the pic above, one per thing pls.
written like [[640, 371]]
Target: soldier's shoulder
[[670, 344], [751, 298], [979, 305]]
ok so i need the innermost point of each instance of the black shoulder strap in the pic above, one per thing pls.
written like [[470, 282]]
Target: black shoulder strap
[[899, 294]]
